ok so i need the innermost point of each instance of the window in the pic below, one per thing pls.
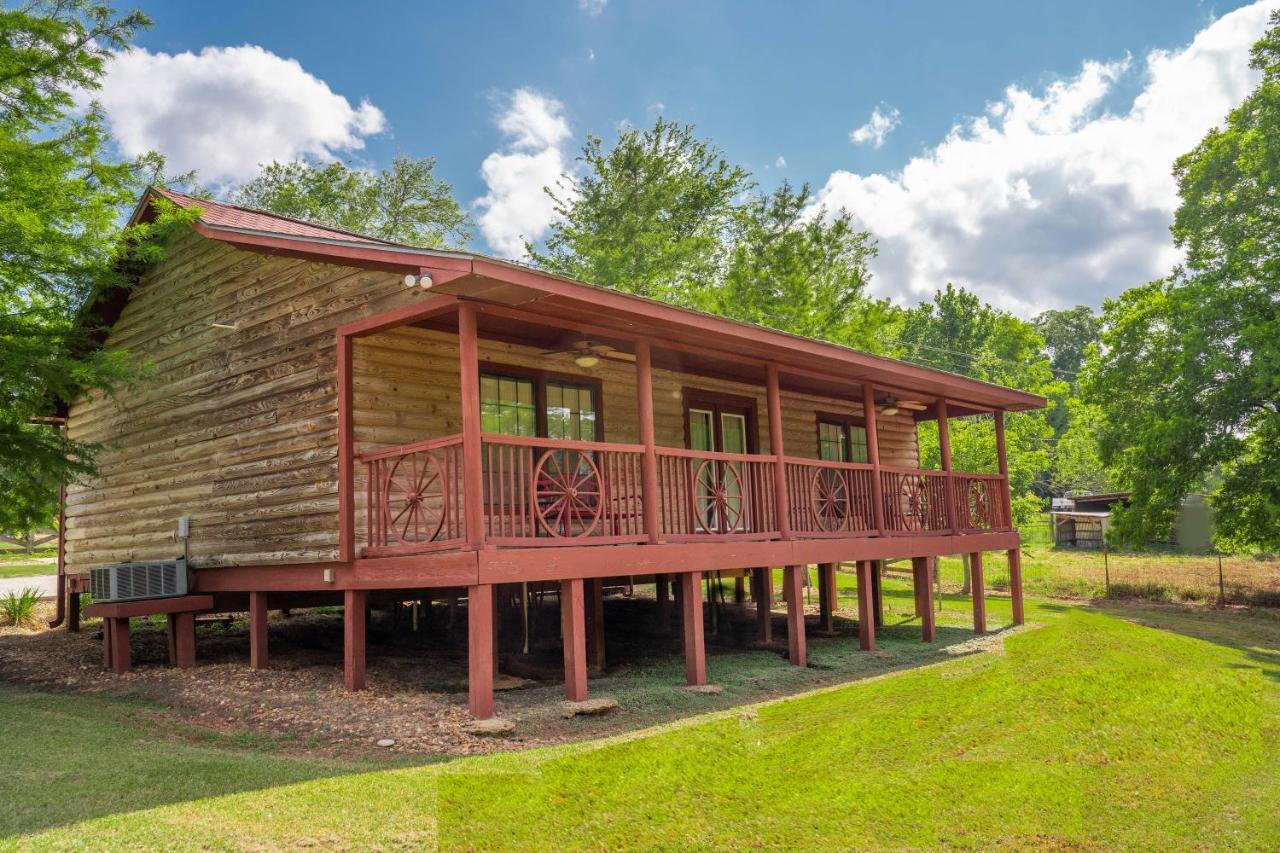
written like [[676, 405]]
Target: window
[[571, 411], [507, 405], [842, 440], [534, 405]]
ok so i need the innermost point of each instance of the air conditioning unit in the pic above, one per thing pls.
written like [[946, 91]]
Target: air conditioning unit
[[133, 581]]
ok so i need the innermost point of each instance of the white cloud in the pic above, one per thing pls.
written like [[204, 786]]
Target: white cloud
[[516, 209], [879, 126], [1048, 199], [781, 162], [656, 107], [592, 7], [591, 55], [227, 109]]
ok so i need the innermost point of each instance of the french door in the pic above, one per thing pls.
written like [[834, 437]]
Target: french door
[[719, 500]]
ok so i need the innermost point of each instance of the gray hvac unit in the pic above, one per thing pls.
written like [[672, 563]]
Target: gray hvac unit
[[133, 581]]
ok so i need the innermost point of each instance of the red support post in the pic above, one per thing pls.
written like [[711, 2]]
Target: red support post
[[663, 594], [781, 502], [346, 450], [1002, 459], [353, 640], [866, 621], [979, 594], [695, 655], [182, 640], [877, 593], [922, 581], [480, 650], [595, 624], [764, 603], [472, 464], [1015, 585], [827, 595], [73, 612], [573, 627], [944, 447], [792, 582], [873, 455], [107, 657], [258, 630], [649, 469], [119, 631]]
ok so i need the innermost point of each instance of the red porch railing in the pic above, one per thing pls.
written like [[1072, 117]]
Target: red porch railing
[[549, 492]]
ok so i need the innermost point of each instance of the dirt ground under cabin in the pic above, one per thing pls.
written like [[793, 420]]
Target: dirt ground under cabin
[[416, 692]]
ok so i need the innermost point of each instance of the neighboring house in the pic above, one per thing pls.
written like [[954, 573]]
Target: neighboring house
[[1084, 523], [343, 420]]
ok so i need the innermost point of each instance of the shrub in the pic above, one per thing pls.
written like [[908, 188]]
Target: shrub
[[19, 608]]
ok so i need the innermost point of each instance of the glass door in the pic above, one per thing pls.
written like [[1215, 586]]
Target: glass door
[[719, 502]]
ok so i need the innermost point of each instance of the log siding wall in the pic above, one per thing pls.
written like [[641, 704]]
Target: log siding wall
[[237, 429]]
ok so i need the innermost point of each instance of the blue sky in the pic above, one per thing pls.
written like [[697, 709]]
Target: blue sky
[[1064, 173]]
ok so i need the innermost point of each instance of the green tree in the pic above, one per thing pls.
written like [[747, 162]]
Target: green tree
[[404, 203], [1188, 375], [802, 271], [652, 215], [61, 199]]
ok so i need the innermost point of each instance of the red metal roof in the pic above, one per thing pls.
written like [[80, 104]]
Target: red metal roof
[[222, 215]]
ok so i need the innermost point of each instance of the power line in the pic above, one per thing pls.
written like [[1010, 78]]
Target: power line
[[974, 357]]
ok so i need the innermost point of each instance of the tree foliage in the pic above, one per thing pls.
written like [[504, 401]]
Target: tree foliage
[[61, 198], [1188, 376], [404, 203]]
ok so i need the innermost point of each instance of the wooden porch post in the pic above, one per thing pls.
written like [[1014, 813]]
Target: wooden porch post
[[873, 455], [979, 594], [595, 623], [866, 621], [258, 630], [827, 596], [480, 650], [923, 584], [1002, 459], [764, 603], [649, 469], [781, 500], [792, 581], [472, 464], [353, 625], [944, 447], [877, 593], [182, 640], [573, 627], [115, 638], [73, 612], [695, 660], [662, 584], [1015, 585], [346, 450]]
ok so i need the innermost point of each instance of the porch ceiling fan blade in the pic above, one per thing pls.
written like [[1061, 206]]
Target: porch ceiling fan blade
[[912, 405]]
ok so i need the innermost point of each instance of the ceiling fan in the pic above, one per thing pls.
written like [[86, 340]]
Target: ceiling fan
[[892, 406], [587, 353]]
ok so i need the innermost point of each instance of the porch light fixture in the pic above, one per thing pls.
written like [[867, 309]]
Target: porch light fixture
[[586, 359]]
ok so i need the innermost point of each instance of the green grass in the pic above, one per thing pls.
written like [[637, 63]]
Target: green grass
[[1089, 731], [16, 564]]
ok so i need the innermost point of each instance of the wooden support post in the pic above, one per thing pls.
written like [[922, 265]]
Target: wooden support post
[[792, 584], [873, 455], [574, 629], [739, 590], [877, 594], [866, 621], [346, 449], [944, 448], [480, 650], [1002, 460], [979, 594], [781, 500], [182, 640], [107, 658], [472, 449], [662, 590], [922, 581], [695, 654], [353, 640], [595, 624], [649, 464], [258, 630], [119, 630], [764, 603], [73, 612], [497, 624], [827, 596], [1015, 585]]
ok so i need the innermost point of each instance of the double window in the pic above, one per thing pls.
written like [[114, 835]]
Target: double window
[[533, 404], [841, 439]]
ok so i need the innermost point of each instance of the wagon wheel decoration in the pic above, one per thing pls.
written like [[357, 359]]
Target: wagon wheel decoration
[[830, 499], [567, 493], [719, 496], [978, 504], [413, 498], [913, 503]]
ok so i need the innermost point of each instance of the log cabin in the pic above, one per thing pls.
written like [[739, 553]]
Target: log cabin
[[333, 418]]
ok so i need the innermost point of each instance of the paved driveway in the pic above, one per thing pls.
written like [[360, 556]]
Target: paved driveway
[[47, 584]]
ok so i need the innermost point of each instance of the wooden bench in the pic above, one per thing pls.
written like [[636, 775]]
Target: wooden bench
[[181, 611]]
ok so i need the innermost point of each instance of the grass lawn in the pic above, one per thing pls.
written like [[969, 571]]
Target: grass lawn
[[1089, 730], [14, 563]]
